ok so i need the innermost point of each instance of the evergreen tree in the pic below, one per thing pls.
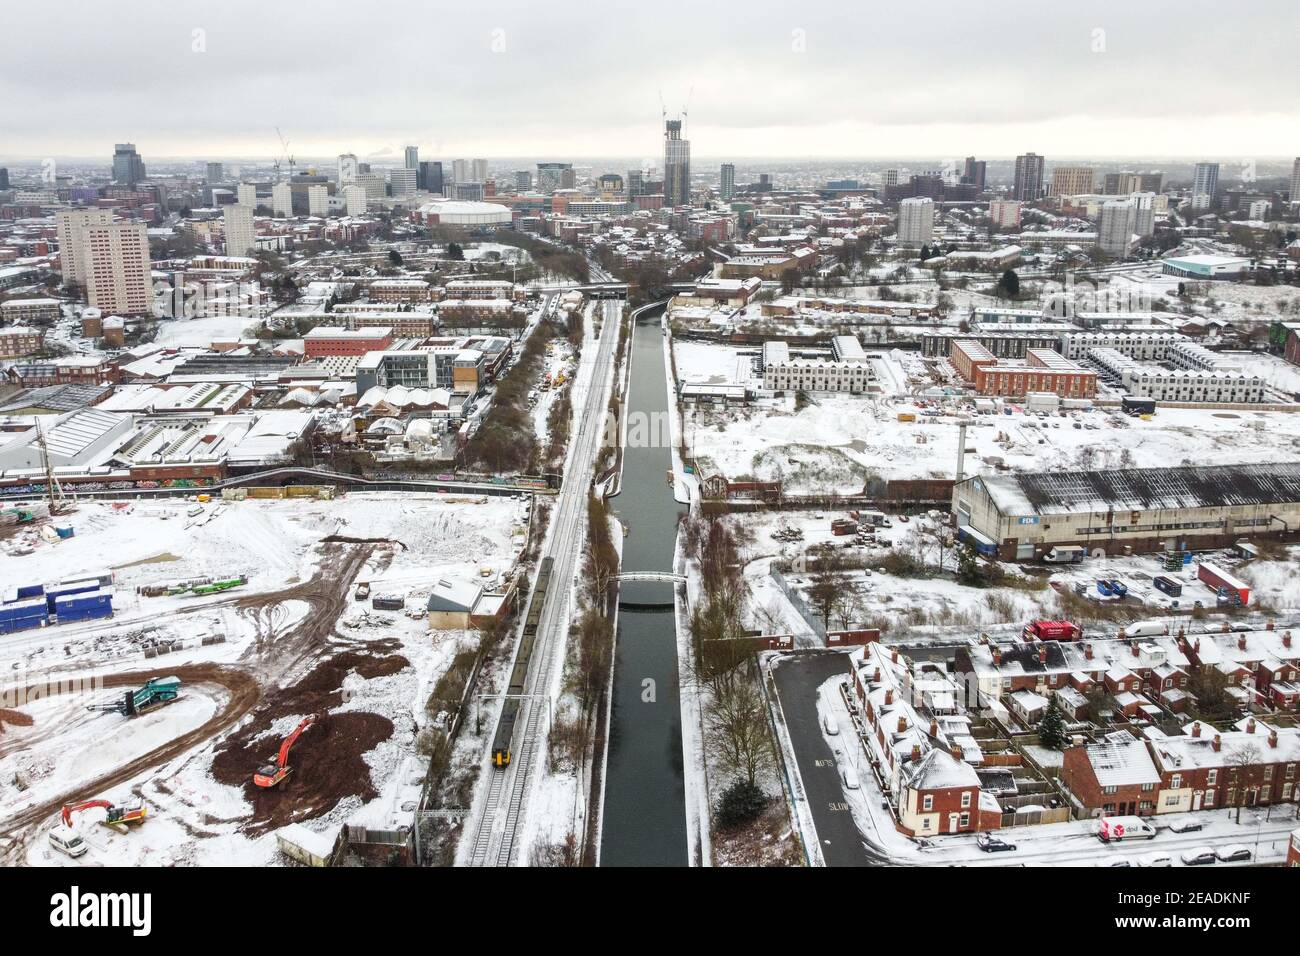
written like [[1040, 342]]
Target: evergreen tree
[[1051, 732]]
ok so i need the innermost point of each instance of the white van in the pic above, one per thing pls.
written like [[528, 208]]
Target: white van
[[828, 721], [1118, 829], [1144, 629], [67, 840]]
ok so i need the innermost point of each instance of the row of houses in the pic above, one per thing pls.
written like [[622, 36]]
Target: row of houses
[[1252, 764]]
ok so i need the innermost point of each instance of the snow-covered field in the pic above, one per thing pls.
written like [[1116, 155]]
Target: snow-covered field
[[194, 818], [202, 332], [837, 442]]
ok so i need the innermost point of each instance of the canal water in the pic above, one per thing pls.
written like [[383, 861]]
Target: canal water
[[644, 821]]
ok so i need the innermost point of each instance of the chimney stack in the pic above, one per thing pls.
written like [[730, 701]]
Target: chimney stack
[[1042, 653], [1272, 738], [997, 656], [916, 752], [1196, 728], [1218, 743], [1250, 725], [1286, 638], [934, 728], [1270, 625], [1136, 652], [1241, 642], [889, 696], [1087, 651], [902, 724]]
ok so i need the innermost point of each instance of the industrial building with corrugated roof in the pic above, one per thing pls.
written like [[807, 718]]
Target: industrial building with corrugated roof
[[1142, 509]]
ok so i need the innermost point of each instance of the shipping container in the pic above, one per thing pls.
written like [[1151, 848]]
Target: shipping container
[[1168, 585], [1223, 583], [388, 602]]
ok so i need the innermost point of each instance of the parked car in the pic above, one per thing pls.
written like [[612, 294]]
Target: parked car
[[850, 778], [1189, 825], [1157, 859], [832, 728], [1234, 853], [1201, 856], [991, 844]]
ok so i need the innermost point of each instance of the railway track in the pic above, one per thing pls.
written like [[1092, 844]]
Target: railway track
[[505, 803]]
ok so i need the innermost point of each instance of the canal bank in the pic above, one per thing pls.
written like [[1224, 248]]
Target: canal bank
[[644, 816]]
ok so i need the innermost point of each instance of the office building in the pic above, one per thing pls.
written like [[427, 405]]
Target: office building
[[523, 180], [402, 182], [1205, 185], [246, 195], [635, 183], [71, 225], [349, 168], [412, 155], [128, 167], [1295, 181], [975, 173], [1072, 181], [915, 221], [117, 267], [216, 173], [430, 177], [677, 165], [728, 187], [1028, 183], [553, 176], [241, 239]]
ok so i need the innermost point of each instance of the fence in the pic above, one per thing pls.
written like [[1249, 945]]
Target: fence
[[799, 603]]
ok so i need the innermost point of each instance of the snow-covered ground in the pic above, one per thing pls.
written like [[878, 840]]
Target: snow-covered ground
[[193, 818], [838, 442], [202, 332]]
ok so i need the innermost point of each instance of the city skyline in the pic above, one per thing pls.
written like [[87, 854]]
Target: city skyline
[[1075, 83]]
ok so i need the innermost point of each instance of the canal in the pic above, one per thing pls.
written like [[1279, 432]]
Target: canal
[[644, 821]]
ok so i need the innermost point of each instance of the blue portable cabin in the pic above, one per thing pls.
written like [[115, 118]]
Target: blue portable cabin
[[83, 606], [55, 591], [23, 592], [23, 615]]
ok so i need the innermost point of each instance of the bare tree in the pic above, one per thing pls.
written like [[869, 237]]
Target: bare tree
[[738, 730]]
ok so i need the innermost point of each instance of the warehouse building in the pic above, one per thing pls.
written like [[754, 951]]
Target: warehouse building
[[1022, 517]]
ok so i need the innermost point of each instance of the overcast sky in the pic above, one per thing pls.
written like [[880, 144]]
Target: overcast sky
[[558, 78]]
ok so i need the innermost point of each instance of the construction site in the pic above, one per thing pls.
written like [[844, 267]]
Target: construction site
[[240, 680]]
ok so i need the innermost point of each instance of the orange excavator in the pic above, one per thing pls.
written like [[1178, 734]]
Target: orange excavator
[[273, 773], [118, 818]]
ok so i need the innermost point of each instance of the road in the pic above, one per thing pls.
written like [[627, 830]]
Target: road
[[505, 800], [797, 680]]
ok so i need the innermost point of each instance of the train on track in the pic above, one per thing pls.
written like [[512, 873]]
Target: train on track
[[501, 743]]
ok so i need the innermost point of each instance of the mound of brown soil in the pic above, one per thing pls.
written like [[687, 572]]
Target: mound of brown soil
[[326, 761], [15, 717], [327, 766]]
